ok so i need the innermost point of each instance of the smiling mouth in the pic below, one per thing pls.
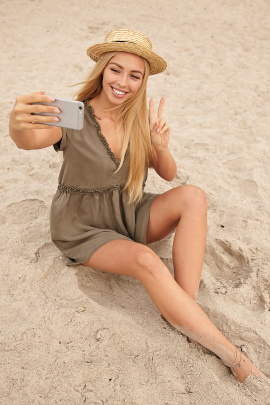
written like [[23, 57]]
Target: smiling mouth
[[118, 92]]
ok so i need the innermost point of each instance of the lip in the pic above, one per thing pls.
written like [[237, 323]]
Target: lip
[[118, 95]]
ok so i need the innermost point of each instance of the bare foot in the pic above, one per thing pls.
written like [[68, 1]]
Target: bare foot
[[242, 368]]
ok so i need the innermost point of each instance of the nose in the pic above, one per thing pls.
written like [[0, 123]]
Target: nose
[[122, 80]]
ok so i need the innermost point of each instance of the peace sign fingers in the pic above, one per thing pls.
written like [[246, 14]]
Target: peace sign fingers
[[161, 108], [153, 118], [159, 130]]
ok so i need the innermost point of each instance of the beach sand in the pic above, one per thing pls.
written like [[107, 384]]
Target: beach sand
[[77, 336]]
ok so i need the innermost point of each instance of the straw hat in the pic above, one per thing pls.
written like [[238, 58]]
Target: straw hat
[[132, 42]]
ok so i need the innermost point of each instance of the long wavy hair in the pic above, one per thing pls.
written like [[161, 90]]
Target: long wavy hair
[[134, 119]]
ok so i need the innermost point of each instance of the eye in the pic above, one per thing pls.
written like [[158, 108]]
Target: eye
[[114, 70], [135, 77]]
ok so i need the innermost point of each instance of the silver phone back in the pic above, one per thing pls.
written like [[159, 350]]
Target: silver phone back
[[71, 115]]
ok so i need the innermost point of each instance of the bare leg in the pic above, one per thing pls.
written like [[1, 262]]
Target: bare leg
[[140, 262], [185, 210]]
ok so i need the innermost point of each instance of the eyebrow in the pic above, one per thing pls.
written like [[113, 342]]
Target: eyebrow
[[121, 67]]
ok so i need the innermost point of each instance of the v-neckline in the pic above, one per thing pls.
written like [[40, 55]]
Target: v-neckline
[[100, 135]]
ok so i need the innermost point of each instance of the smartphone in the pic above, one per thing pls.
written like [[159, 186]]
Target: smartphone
[[71, 113]]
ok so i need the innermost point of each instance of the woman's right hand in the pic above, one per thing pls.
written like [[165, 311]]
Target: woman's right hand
[[22, 117], [27, 129]]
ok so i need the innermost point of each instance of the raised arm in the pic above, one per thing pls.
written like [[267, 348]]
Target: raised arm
[[163, 162], [27, 130]]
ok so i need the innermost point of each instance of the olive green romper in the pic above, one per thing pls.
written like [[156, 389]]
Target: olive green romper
[[90, 207]]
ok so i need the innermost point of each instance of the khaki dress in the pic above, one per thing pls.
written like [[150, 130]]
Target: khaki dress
[[90, 207]]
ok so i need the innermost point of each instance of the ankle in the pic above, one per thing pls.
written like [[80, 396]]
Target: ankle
[[236, 360]]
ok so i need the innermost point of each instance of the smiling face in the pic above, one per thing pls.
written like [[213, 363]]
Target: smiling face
[[122, 78]]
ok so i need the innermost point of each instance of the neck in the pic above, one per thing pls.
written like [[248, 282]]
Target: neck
[[104, 109]]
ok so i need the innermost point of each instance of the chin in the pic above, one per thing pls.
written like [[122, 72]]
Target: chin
[[118, 101]]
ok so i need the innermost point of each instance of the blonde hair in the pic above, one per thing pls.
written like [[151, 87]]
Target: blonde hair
[[134, 119]]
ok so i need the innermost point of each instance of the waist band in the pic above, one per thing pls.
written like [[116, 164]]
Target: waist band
[[76, 190]]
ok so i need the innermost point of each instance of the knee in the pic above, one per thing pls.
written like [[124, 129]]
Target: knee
[[148, 263], [195, 198]]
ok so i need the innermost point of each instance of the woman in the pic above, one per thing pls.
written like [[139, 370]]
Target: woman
[[100, 215]]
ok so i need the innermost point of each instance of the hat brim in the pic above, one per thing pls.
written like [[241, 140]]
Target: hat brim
[[156, 63]]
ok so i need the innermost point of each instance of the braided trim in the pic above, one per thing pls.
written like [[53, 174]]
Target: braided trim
[[101, 137], [76, 190]]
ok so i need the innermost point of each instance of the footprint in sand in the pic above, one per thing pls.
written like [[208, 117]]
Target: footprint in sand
[[229, 261]]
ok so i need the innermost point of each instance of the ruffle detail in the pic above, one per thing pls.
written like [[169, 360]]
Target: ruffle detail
[[101, 137]]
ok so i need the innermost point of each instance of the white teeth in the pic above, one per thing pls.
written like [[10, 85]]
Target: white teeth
[[121, 93]]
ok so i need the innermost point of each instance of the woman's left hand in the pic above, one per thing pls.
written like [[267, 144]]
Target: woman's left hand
[[159, 131]]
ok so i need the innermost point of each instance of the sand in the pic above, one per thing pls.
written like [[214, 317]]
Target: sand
[[77, 336]]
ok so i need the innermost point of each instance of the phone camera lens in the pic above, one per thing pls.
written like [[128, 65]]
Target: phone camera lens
[[80, 108]]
